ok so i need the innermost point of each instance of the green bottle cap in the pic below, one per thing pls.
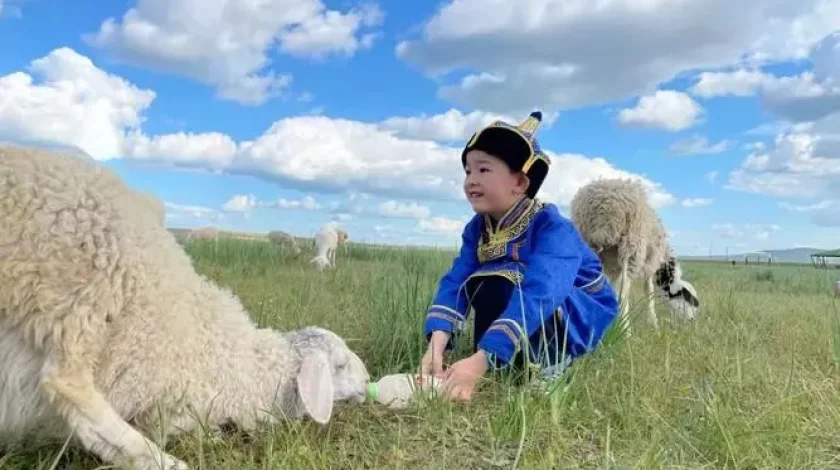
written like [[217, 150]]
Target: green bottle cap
[[372, 391]]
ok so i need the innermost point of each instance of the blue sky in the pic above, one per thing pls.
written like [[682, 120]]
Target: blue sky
[[297, 112]]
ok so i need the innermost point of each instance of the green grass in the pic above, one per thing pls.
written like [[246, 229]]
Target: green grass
[[753, 384]]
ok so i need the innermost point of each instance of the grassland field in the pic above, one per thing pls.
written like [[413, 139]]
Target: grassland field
[[752, 384]]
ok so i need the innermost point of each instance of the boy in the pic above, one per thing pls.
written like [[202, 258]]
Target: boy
[[535, 286]]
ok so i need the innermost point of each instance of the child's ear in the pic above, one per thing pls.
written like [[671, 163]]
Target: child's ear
[[522, 182]]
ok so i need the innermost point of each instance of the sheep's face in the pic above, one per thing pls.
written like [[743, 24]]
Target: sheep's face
[[330, 372], [321, 262]]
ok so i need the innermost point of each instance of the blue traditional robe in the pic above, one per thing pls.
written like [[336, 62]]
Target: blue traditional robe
[[554, 272]]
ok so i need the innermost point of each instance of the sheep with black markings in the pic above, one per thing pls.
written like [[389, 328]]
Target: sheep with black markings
[[616, 220], [105, 326]]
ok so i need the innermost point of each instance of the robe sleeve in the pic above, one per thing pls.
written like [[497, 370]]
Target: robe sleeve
[[547, 280], [446, 312]]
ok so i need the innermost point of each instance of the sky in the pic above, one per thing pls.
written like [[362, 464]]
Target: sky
[[259, 115]]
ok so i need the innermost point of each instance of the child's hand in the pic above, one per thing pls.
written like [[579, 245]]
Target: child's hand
[[462, 377], [432, 362]]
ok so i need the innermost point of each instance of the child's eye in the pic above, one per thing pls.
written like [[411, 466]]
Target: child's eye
[[484, 170]]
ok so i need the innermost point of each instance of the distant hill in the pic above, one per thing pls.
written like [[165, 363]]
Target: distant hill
[[791, 255]]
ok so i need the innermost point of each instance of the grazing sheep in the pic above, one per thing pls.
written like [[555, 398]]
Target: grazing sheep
[[106, 328], [206, 233], [680, 294], [326, 243], [615, 219], [284, 239]]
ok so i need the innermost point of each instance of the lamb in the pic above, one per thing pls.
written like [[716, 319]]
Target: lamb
[[326, 243], [106, 328], [615, 219], [283, 239]]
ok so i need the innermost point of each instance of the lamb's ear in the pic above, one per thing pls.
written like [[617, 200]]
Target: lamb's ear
[[315, 386]]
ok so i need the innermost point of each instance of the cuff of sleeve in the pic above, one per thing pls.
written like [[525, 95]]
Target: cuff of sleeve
[[493, 362], [498, 347], [439, 324]]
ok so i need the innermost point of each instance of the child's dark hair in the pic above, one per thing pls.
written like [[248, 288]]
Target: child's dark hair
[[516, 146]]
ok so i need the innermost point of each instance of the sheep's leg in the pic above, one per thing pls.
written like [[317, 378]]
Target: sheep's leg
[[652, 303], [67, 383], [98, 427], [624, 296]]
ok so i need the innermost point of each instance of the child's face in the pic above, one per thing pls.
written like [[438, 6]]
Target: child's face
[[490, 186]]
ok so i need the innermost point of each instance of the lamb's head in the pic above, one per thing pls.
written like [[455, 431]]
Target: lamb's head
[[342, 235], [321, 262], [329, 372]]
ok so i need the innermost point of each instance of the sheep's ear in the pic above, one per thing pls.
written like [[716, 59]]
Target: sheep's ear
[[315, 386]]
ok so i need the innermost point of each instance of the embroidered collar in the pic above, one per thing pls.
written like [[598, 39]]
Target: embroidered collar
[[494, 240], [516, 211]]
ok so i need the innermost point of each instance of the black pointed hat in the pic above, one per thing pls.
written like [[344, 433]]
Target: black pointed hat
[[515, 145]]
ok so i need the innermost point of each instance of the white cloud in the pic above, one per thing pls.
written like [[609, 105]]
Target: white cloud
[[308, 152], [243, 203], [825, 213], [306, 202], [228, 44], [696, 202], [800, 97], [451, 125], [809, 96], [569, 172], [331, 32], [801, 162], [442, 225], [339, 154], [404, 210], [757, 231], [564, 54], [665, 109], [68, 100], [697, 145], [209, 150], [737, 83], [10, 11], [711, 176], [178, 211]]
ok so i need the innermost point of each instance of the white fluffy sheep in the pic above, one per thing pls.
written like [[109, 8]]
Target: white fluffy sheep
[[326, 244], [105, 325], [284, 239], [155, 205], [615, 219]]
